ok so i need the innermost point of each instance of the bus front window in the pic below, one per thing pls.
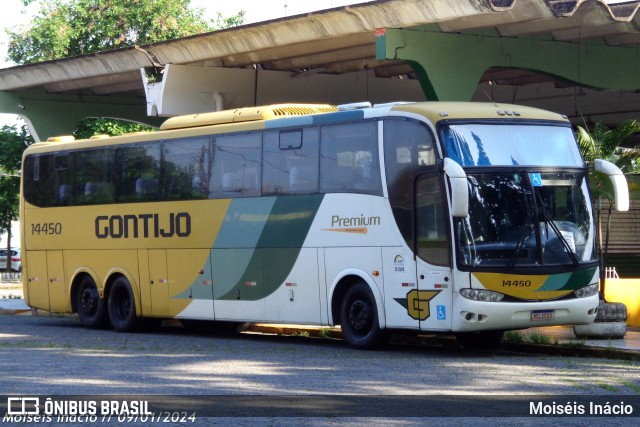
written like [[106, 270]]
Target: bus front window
[[520, 219]]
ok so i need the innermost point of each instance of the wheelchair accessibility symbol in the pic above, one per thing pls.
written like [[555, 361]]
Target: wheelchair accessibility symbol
[[536, 179], [441, 312]]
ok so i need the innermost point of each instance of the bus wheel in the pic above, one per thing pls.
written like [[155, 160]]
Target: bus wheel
[[122, 307], [482, 340], [359, 318], [91, 308]]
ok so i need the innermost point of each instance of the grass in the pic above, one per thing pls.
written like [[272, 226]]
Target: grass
[[632, 386], [326, 333], [608, 387], [516, 337]]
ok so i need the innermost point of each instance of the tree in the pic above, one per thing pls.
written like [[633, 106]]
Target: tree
[[13, 142], [605, 143], [64, 28], [86, 128]]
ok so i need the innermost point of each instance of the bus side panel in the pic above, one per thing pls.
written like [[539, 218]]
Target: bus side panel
[[298, 298], [366, 261], [37, 280], [145, 282], [399, 286], [190, 284], [238, 285]]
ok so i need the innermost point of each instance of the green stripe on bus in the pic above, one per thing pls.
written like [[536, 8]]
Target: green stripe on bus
[[278, 247]]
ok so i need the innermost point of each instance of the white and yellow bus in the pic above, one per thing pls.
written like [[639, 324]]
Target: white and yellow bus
[[456, 217]]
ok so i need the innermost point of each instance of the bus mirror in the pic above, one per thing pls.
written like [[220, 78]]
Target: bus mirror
[[459, 190], [618, 181]]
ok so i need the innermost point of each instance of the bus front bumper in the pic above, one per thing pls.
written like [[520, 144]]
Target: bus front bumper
[[469, 315]]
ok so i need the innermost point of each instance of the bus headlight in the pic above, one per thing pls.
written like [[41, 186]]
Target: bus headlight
[[587, 291], [481, 295]]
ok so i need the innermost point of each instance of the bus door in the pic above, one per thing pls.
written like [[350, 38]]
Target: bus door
[[431, 303]]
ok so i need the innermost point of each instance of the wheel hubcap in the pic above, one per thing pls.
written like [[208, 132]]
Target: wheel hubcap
[[359, 316], [89, 301], [123, 305]]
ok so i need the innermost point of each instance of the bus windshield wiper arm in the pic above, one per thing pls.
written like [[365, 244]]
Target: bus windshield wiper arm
[[549, 222], [527, 223]]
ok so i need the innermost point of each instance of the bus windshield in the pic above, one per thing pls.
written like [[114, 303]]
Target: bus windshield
[[521, 219], [493, 144]]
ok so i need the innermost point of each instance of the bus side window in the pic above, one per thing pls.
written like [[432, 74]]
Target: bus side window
[[349, 158], [433, 239], [185, 169], [64, 177], [291, 161], [236, 166], [408, 148], [139, 173], [93, 179], [41, 188]]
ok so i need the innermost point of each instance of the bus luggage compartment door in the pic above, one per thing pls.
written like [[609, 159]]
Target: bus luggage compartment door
[[158, 282], [37, 280], [58, 294]]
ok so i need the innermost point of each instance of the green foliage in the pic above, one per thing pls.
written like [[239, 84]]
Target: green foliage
[[13, 142], [604, 143], [89, 127], [64, 28]]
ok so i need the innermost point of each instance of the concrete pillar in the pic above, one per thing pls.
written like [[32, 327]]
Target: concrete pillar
[[50, 115], [450, 65]]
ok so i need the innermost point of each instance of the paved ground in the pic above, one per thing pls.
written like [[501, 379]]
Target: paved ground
[[559, 339], [288, 381]]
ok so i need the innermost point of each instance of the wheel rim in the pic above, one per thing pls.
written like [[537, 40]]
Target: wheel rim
[[122, 304], [360, 317], [89, 301]]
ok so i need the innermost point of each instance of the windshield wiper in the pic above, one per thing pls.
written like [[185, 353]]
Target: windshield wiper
[[548, 221], [525, 231]]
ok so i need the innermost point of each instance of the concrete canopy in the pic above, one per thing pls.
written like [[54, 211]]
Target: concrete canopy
[[543, 53]]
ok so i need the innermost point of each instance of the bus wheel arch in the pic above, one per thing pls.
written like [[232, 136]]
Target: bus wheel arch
[[356, 308], [87, 301]]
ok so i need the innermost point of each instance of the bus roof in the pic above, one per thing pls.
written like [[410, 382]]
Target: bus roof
[[246, 114], [284, 115], [437, 111]]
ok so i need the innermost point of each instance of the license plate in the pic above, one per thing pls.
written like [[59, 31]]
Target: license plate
[[543, 315]]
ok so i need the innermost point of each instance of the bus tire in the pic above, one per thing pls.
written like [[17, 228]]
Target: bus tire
[[481, 340], [122, 306], [359, 318], [92, 311]]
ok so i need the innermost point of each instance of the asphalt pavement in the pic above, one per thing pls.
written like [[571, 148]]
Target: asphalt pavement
[[559, 339]]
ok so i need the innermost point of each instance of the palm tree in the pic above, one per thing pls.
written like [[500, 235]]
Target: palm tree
[[605, 143]]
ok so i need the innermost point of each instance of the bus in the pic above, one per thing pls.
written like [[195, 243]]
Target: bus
[[464, 218]]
